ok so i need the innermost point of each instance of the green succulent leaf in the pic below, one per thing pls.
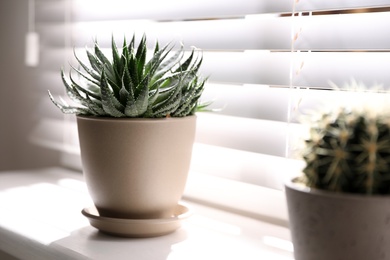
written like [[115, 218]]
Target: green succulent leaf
[[118, 63], [66, 109], [129, 85], [139, 106], [190, 98], [80, 88], [72, 93], [167, 108], [96, 66], [155, 63], [168, 65], [106, 63], [110, 104], [184, 66], [141, 57]]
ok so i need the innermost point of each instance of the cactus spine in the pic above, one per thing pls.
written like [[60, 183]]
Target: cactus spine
[[348, 150]]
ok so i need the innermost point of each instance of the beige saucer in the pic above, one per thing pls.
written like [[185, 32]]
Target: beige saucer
[[137, 227]]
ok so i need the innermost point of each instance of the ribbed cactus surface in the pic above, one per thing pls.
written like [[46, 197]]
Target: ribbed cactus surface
[[349, 151]]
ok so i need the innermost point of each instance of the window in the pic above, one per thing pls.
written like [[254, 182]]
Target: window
[[267, 60]]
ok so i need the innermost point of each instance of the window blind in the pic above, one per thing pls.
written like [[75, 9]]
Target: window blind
[[266, 60]]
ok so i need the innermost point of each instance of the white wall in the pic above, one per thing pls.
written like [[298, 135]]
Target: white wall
[[19, 96]]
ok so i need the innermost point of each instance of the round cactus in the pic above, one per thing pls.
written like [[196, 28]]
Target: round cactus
[[348, 150]]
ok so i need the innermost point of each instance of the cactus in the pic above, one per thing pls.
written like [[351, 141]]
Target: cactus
[[348, 150]]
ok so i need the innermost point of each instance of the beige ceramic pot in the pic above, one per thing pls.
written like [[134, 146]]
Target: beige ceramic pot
[[136, 168], [338, 226]]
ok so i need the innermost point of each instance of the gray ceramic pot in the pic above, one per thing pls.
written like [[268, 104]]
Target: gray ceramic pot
[[338, 226], [136, 168]]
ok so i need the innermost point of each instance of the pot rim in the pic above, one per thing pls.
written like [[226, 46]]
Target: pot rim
[[135, 119], [301, 187]]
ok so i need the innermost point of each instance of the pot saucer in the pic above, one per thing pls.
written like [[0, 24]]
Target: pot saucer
[[137, 227]]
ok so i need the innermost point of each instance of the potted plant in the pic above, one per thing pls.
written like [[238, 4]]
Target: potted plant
[[136, 123], [339, 208]]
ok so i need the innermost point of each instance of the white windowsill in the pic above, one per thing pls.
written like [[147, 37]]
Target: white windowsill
[[40, 218]]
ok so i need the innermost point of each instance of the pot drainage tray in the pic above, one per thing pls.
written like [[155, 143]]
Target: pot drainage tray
[[137, 227]]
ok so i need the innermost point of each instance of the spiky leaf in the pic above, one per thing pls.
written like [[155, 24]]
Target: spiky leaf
[[130, 86]]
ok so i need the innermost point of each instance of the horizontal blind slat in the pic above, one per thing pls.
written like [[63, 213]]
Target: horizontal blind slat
[[249, 67], [174, 9], [258, 169], [249, 101], [363, 31], [331, 5], [259, 136], [338, 32], [87, 10], [317, 69], [227, 34]]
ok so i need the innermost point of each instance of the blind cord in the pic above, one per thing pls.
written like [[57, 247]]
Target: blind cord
[[32, 38], [290, 103], [31, 15]]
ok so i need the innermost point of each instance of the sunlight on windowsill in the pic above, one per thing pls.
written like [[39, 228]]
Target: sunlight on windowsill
[[44, 208], [44, 211]]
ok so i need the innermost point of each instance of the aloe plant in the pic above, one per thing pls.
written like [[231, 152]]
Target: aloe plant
[[127, 85]]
